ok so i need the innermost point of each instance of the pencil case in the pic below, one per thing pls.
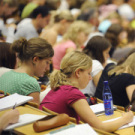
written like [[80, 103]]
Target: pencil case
[[51, 121]]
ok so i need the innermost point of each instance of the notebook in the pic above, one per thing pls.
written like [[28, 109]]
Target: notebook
[[99, 108], [9, 101], [25, 119], [82, 129]]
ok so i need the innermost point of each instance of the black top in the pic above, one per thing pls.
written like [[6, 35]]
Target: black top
[[118, 84]]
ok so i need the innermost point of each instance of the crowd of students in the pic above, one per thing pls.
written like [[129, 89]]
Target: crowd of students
[[84, 44]]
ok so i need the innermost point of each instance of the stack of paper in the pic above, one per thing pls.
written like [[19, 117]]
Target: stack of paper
[[99, 108], [14, 99], [25, 119]]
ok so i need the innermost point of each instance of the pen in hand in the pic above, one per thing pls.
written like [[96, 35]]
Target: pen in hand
[[14, 106]]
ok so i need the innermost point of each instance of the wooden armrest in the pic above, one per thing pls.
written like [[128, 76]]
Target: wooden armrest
[[33, 104]]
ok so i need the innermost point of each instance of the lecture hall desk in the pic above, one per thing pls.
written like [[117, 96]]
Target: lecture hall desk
[[28, 129]]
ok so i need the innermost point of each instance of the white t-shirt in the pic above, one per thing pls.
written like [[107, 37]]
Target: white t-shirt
[[3, 70], [91, 88], [26, 29]]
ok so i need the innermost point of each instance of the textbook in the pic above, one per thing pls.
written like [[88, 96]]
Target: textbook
[[25, 119], [14, 99], [99, 108]]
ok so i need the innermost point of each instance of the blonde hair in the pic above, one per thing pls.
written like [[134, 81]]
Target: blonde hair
[[128, 65], [70, 63], [74, 29]]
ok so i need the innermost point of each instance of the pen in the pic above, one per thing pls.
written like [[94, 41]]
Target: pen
[[14, 106]]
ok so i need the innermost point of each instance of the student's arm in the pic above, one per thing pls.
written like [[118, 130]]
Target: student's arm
[[86, 114], [8, 118], [96, 78], [35, 96], [129, 91]]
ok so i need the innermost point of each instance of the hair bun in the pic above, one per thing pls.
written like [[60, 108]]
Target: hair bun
[[19, 45]]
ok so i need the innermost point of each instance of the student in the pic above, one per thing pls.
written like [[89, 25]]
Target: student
[[30, 27], [61, 23], [121, 80], [7, 58], [7, 118], [65, 96], [72, 40], [35, 56], [98, 49]]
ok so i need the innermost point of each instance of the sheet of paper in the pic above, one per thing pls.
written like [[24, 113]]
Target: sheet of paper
[[125, 126], [11, 100], [99, 108], [82, 129], [25, 119]]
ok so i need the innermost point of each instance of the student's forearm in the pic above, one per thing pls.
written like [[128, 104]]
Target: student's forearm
[[113, 126]]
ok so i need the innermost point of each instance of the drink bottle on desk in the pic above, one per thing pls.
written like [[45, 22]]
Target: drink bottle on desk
[[107, 98]]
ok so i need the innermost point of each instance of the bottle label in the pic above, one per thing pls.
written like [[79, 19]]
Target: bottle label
[[108, 105]]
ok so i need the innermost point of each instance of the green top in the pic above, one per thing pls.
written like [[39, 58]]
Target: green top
[[28, 9], [21, 83]]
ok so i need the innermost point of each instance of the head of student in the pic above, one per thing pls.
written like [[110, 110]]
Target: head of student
[[35, 54], [78, 32], [7, 57], [98, 48], [64, 19], [42, 16], [74, 70]]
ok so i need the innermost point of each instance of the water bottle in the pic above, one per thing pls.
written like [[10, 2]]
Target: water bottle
[[107, 98]]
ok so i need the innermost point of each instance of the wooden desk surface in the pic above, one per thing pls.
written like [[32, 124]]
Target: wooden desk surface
[[118, 113], [28, 129]]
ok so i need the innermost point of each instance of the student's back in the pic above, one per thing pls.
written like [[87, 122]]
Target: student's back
[[119, 85]]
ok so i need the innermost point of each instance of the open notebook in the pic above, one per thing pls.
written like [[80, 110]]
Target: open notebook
[[25, 119], [81, 129], [9, 101], [99, 108]]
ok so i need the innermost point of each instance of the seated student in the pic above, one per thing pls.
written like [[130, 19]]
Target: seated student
[[121, 80], [35, 56], [61, 21], [72, 40], [7, 58], [65, 96], [7, 118], [98, 49]]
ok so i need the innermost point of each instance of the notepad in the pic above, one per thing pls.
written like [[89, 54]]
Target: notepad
[[25, 119], [82, 129], [9, 101], [99, 108], [125, 126]]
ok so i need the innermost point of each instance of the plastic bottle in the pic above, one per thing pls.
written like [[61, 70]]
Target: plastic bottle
[[107, 98]]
